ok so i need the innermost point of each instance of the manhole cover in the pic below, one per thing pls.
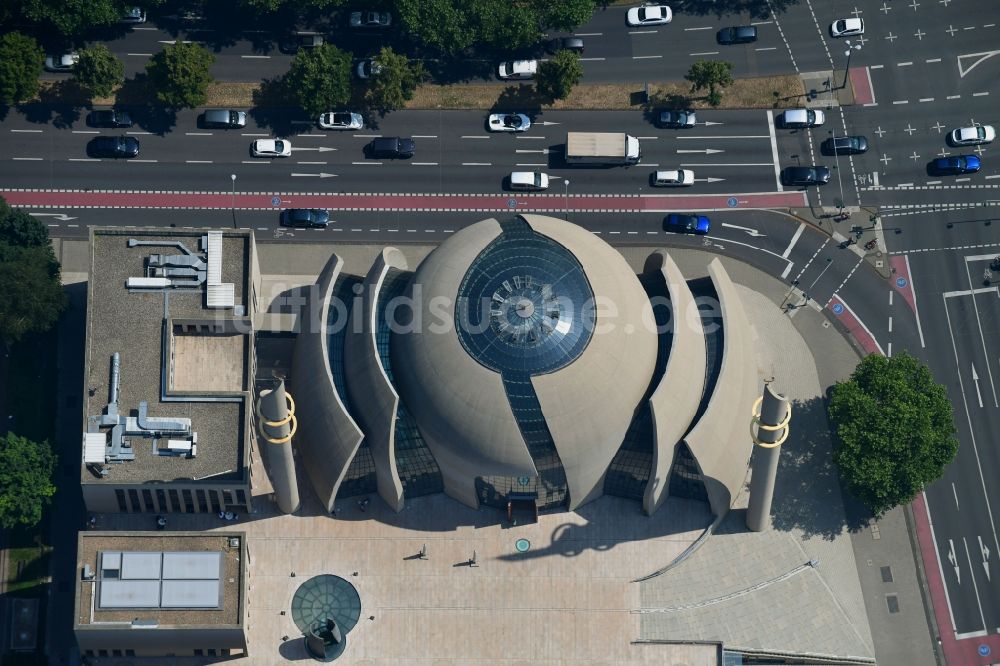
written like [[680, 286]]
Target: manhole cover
[[522, 545]]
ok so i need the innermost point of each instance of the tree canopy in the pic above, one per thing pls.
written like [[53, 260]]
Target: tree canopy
[[320, 79], [557, 76], [711, 74], [31, 293], [25, 480], [72, 18], [21, 60], [180, 74], [395, 83], [451, 26], [99, 70], [895, 430]]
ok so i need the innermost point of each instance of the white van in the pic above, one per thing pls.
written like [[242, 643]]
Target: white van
[[529, 180], [800, 118]]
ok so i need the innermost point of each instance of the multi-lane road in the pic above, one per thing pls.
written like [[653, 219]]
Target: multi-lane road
[[931, 66]]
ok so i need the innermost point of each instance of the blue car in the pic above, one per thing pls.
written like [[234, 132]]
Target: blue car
[[687, 224], [955, 166]]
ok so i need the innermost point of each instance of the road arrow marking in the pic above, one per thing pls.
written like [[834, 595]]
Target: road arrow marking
[[986, 556], [548, 122], [706, 151], [174, 41], [975, 380], [979, 57], [322, 149], [707, 123], [59, 216], [708, 180], [752, 232], [315, 175], [953, 560], [543, 151]]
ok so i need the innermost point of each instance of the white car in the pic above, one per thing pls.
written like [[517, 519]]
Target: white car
[[847, 27], [509, 122], [972, 136], [649, 15], [674, 178], [368, 68], [341, 120], [61, 63], [518, 69], [271, 148], [133, 15]]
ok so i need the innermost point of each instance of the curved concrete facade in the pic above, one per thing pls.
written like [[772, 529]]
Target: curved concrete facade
[[589, 404], [444, 387], [373, 395], [675, 400], [720, 441], [328, 437]]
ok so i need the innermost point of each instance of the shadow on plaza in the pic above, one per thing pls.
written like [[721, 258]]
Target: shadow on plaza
[[808, 496]]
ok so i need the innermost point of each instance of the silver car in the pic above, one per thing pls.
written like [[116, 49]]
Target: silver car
[[61, 63], [341, 120]]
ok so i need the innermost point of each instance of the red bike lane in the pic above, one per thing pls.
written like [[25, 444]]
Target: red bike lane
[[416, 202]]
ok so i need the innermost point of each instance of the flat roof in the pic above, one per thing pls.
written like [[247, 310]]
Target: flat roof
[[160, 579], [131, 323]]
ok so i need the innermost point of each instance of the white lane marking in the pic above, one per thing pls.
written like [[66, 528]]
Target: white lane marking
[[197, 134], [774, 149], [926, 99], [767, 48], [590, 59], [856, 317], [731, 164], [256, 57], [364, 163], [980, 94], [646, 57], [954, 492], [27, 159], [707, 27], [424, 136], [477, 164], [588, 34], [642, 32], [83, 159], [145, 161], [253, 134], [904, 64], [31, 131], [953, 96], [933, 60], [534, 164], [529, 138], [255, 162], [901, 101], [890, 324], [310, 162], [993, 176], [705, 53], [947, 597], [85, 132], [197, 161], [474, 137], [979, 323], [975, 585], [424, 163], [731, 136], [795, 239], [141, 55], [875, 66]]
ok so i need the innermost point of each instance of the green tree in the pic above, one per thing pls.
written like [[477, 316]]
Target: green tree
[[25, 480], [179, 74], [507, 25], [440, 25], [556, 77], [895, 430], [99, 70], [31, 293], [273, 6], [395, 83], [711, 74], [73, 17], [567, 14], [320, 79], [21, 61]]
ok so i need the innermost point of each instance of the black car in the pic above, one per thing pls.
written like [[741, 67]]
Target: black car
[[739, 34], [113, 146], [814, 175], [293, 43], [567, 43], [845, 145], [223, 119], [304, 217], [391, 147], [109, 118]]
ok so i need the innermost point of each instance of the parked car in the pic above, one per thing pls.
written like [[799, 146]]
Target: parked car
[[224, 119], [845, 145], [848, 27], [567, 43], [805, 176], [113, 146], [508, 122], [109, 118], [687, 224], [529, 181], [341, 120], [271, 148], [955, 166], [801, 118], [649, 15], [293, 43], [133, 15], [371, 19], [972, 136], [677, 119], [673, 178], [740, 34], [517, 69], [391, 147], [368, 68], [304, 217], [61, 63]]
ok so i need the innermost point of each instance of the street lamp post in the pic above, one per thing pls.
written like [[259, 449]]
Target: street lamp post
[[232, 205], [851, 48], [566, 183]]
